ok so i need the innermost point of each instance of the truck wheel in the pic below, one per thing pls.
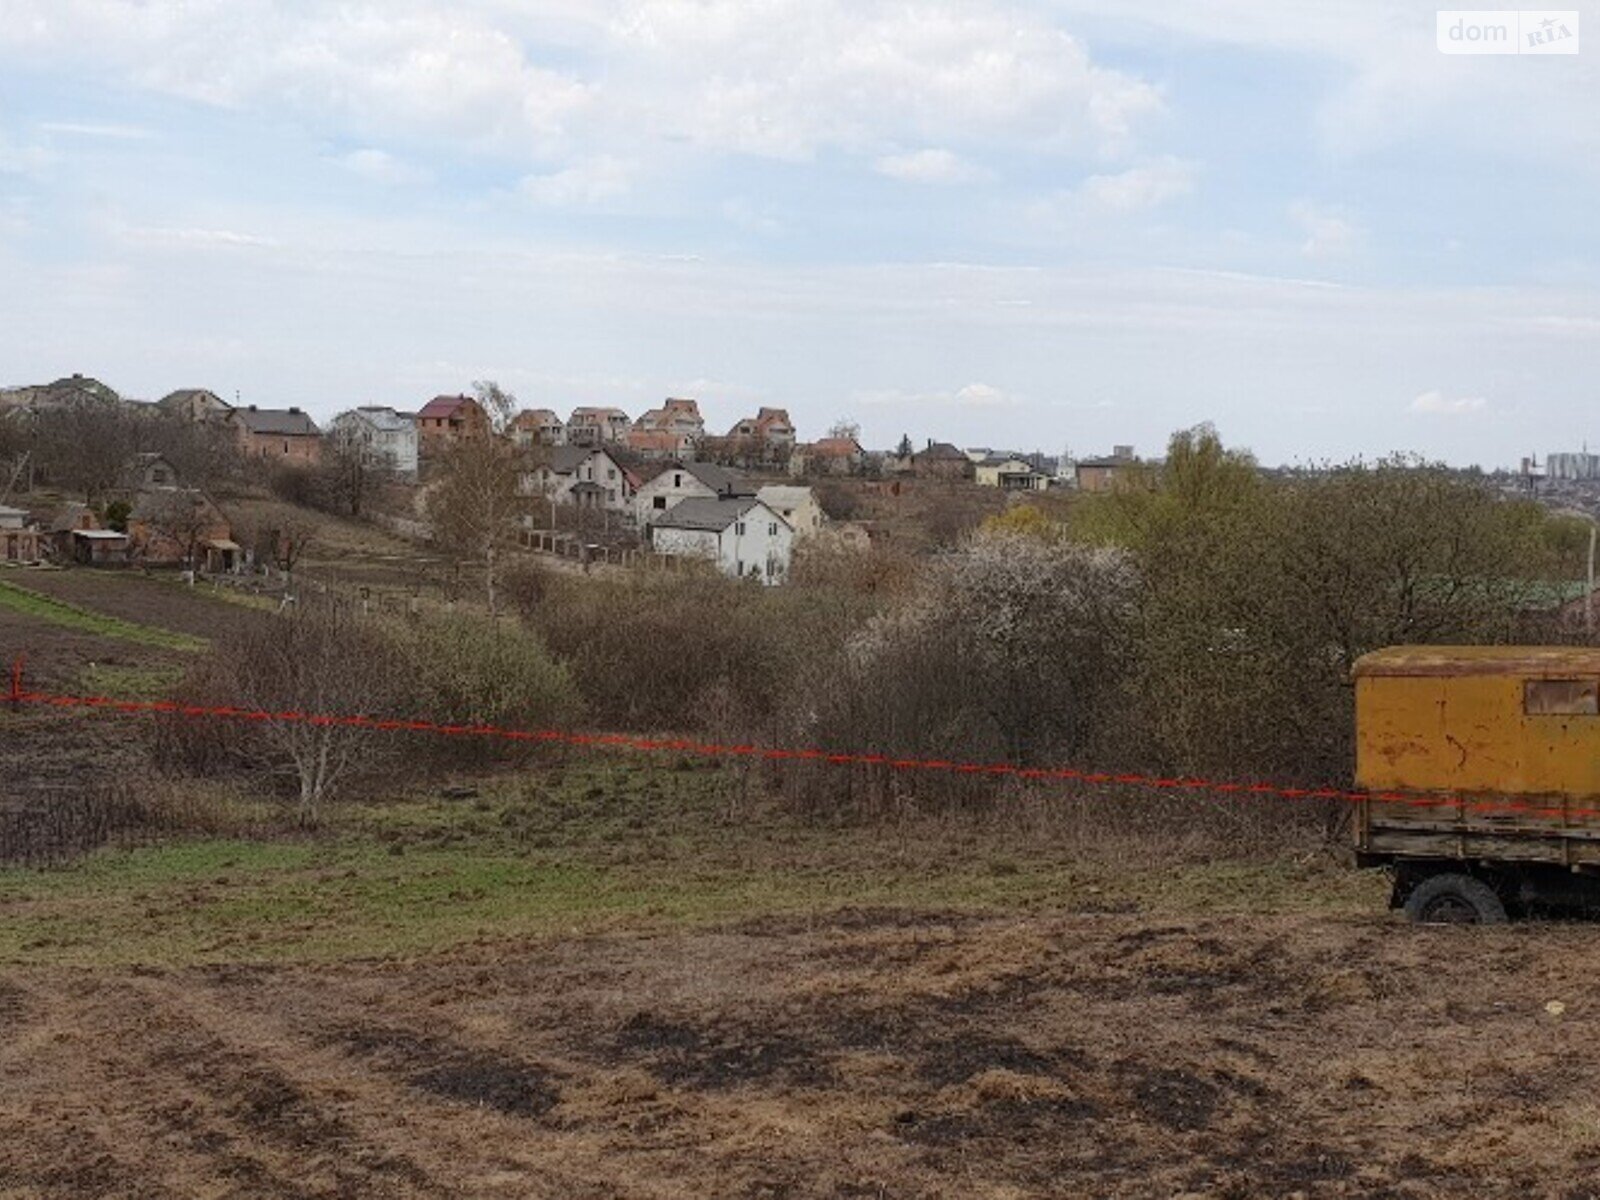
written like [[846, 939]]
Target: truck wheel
[[1454, 900]]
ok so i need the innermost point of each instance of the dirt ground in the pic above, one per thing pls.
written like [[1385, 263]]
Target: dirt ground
[[872, 1054]]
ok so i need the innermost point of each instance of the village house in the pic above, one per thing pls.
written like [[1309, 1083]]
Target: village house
[[538, 427], [672, 431], [148, 470], [581, 476], [687, 481], [1102, 474], [73, 534], [387, 440], [181, 527], [194, 404], [445, 419], [765, 438], [19, 539], [829, 456], [742, 536], [287, 435], [796, 505], [1011, 474], [592, 426], [941, 460]]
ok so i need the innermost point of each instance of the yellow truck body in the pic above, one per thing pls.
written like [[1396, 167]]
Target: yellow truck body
[[1499, 746]]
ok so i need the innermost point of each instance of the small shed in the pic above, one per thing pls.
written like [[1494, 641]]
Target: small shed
[[99, 547]]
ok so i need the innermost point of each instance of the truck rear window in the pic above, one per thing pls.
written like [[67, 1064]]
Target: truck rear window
[[1561, 697]]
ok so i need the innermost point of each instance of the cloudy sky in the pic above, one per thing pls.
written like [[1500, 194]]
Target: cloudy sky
[[1003, 222]]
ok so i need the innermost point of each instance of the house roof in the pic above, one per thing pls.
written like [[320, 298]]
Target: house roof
[[702, 512], [277, 422], [721, 480], [535, 417], [596, 413], [836, 447], [941, 450], [382, 418], [564, 460], [1105, 462], [183, 397], [442, 408], [783, 495], [99, 535]]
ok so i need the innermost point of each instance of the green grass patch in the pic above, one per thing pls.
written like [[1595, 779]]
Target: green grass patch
[[70, 616], [585, 849], [150, 682]]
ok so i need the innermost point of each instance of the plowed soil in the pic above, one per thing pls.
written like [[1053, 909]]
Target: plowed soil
[[873, 1054]]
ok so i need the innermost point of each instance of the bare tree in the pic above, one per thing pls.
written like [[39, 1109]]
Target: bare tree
[[845, 427], [183, 514], [85, 445], [477, 505], [318, 661]]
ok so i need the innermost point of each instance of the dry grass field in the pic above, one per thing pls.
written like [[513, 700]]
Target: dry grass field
[[610, 977]]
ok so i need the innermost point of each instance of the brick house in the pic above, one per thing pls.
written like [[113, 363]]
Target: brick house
[[592, 426], [285, 434], [444, 419], [20, 540], [538, 427], [672, 431], [941, 460], [829, 456]]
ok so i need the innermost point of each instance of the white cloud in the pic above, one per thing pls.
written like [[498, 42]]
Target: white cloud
[[1436, 403], [779, 78], [1141, 187], [196, 239], [379, 166], [929, 166], [1329, 232], [972, 396], [587, 184]]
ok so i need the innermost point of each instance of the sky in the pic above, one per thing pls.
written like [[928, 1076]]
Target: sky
[[1045, 224]]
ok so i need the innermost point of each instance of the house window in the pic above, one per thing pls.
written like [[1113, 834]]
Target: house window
[[1561, 697], [677, 481], [738, 567], [738, 529], [659, 502]]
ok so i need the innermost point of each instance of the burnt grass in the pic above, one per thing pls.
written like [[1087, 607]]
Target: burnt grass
[[452, 1072]]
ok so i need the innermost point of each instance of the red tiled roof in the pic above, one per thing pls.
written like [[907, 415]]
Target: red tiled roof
[[837, 447], [443, 407]]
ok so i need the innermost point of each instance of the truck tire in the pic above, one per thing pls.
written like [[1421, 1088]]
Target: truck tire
[[1453, 899]]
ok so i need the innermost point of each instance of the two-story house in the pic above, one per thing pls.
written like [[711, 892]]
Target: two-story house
[[284, 434], [672, 431], [687, 481], [741, 535], [445, 419], [596, 426], [538, 427], [582, 476], [386, 439]]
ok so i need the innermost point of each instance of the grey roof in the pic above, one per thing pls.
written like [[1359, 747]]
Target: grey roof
[[183, 396], [720, 479], [276, 421], [941, 450], [704, 513], [382, 418], [564, 460]]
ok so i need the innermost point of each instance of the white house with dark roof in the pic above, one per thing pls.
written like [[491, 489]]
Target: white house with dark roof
[[687, 481], [387, 439], [741, 535], [582, 476]]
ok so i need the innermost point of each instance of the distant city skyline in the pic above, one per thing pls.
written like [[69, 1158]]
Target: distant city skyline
[[1029, 224]]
